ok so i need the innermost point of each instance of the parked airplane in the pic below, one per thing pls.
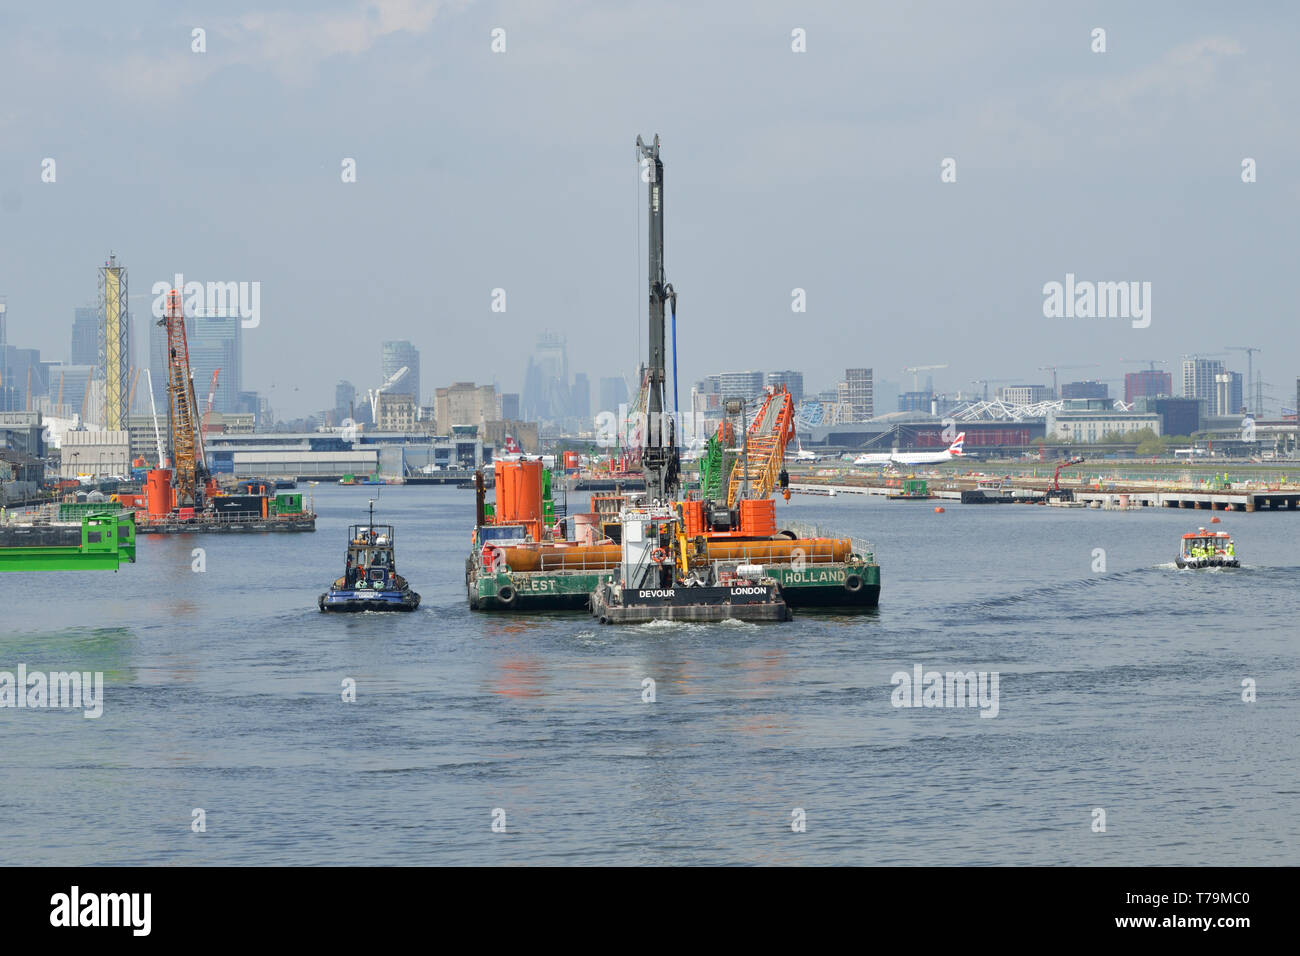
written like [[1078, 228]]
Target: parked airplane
[[914, 458]]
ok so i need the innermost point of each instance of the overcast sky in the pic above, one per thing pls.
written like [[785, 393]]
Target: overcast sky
[[819, 170]]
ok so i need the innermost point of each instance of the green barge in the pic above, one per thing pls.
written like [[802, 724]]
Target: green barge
[[97, 541]]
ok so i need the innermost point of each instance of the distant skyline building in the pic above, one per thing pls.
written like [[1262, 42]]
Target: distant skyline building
[[1025, 394], [85, 336], [216, 343], [345, 399], [1148, 383], [396, 355], [510, 406], [580, 402], [1199, 379], [790, 379], [859, 394], [747, 385], [613, 393], [548, 394], [916, 401], [1087, 389]]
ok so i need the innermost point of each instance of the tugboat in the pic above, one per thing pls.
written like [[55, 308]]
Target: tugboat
[[662, 578], [1207, 549], [370, 580]]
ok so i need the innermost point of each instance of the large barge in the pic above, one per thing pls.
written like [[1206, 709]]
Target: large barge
[[528, 556]]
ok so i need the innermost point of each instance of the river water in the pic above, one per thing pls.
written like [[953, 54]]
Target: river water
[[1119, 690]]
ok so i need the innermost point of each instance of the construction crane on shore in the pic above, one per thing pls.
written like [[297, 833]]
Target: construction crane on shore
[[986, 382], [917, 369], [1064, 368], [1151, 362], [759, 468], [660, 456], [1256, 406], [186, 439]]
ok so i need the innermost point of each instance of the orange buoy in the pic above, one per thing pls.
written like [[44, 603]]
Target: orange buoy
[[938, 511], [1215, 520]]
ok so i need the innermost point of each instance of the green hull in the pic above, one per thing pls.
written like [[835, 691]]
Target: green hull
[[853, 585]]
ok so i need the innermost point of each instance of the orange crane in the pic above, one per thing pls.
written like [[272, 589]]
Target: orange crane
[[758, 470], [187, 442]]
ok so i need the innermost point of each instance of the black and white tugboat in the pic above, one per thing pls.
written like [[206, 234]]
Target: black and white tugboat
[[662, 577], [1207, 549], [370, 580]]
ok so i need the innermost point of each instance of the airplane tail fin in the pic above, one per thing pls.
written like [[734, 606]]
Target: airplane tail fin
[[956, 447]]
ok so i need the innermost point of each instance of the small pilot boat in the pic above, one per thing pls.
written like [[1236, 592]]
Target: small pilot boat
[[370, 580], [1207, 549]]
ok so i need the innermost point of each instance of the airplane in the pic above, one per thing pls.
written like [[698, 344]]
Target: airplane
[[801, 455], [914, 458]]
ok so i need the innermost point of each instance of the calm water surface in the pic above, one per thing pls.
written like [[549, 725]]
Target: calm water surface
[[1119, 689]]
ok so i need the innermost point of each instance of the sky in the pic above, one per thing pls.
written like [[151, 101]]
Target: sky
[[819, 170]]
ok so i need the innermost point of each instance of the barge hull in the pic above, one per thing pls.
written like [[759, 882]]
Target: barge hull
[[847, 586]]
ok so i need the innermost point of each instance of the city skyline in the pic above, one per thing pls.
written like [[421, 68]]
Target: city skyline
[[856, 213]]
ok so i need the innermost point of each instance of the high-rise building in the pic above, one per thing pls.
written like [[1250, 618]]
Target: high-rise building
[[613, 393], [793, 381], [1025, 394], [394, 413], [24, 378], [747, 385], [397, 355], [464, 403], [1199, 379], [510, 406], [1148, 383], [1085, 390], [915, 401], [547, 393], [85, 336], [215, 344], [859, 394], [345, 399], [580, 402]]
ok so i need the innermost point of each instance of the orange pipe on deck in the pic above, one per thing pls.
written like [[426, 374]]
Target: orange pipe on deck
[[604, 557]]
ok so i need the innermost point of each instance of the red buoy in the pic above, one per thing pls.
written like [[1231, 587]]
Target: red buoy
[[938, 511]]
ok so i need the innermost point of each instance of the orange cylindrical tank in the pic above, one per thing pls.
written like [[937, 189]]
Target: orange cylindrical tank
[[693, 517], [519, 491], [758, 516], [158, 492]]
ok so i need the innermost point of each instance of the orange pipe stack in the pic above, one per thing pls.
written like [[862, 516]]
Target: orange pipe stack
[[603, 557]]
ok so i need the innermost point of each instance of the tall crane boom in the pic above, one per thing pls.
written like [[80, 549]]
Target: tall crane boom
[[660, 457], [187, 444], [771, 430]]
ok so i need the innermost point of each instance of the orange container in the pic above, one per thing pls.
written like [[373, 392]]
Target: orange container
[[693, 518], [758, 516], [158, 492]]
